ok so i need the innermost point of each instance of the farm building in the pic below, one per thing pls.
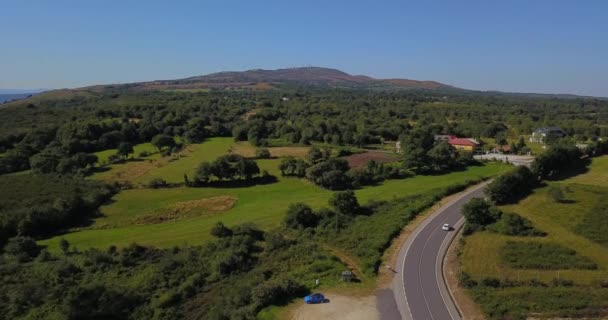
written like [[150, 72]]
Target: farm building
[[539, 135], [465, 144]]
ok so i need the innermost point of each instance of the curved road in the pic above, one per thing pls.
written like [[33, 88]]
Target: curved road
[[420, 290]]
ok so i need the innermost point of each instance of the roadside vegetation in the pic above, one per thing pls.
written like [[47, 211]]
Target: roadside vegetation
[[561, 274]]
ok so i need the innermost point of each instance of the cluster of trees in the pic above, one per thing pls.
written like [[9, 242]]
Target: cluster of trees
[[357, 118], [557, 159], [512, 185], [345, 207], [245, 264], [42, 205], [374, 173], [106, 121], [90, 121], [56, 160], [335, 173], [228, 167], [518, 182], [421, 153], [481, 214]]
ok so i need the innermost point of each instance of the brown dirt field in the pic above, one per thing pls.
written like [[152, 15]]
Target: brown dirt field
[[181, 210], [360, 159]]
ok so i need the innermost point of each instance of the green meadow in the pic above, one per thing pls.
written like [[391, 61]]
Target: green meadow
[[562, 221], [264, 204], [102, 156]]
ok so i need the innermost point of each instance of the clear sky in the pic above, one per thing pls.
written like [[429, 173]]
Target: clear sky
[[525, 46]]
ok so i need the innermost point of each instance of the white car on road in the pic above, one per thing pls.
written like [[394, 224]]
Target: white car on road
[[446, 227]]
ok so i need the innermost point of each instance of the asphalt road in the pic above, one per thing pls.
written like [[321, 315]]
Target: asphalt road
[[420, 291]]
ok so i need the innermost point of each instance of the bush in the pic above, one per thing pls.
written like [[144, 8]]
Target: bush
[[23, 248], [515, 225], [556, 194], [466, 280], [157, 183], [262, 153], [293, 167], [300, 216], [220, 230], [490, 282]]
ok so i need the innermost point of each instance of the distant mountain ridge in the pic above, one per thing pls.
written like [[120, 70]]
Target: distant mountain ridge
[[308, 76], [312, 76], [260, 79]]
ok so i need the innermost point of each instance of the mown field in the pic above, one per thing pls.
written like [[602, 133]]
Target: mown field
[[178, 216], [576, 236]]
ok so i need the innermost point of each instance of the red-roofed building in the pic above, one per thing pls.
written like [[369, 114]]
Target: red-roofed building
[[465, 144]]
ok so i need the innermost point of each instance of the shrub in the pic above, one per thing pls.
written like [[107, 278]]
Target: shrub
[[515, 225], [293, 167], [220, 230], [466, 280], [262, 153], [300, 216], [556, 194], [490, 282], [157, 183], [23, 248]]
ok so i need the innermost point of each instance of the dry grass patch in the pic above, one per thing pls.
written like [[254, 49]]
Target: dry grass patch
[[247, 150], [188, 209], [132, 170]]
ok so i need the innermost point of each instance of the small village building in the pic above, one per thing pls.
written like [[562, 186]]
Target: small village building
[[465, 144], [539, 135]]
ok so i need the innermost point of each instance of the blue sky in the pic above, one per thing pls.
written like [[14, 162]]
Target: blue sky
[[524, 46]]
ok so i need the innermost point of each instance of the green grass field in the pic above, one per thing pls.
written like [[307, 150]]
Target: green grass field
[[264, 205], [102, 156], [481, 253]]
